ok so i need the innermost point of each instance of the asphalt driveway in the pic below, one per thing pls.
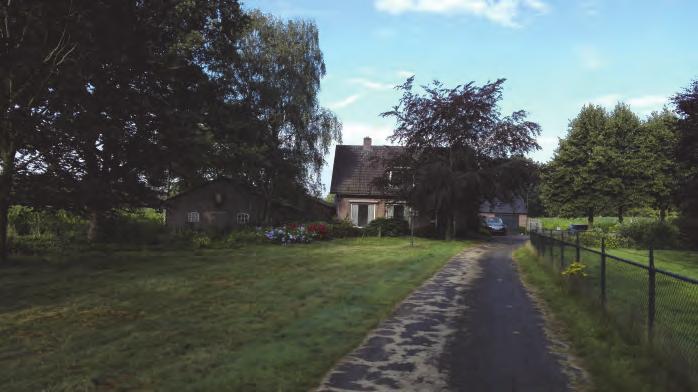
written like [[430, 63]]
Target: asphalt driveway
[[471, 327]]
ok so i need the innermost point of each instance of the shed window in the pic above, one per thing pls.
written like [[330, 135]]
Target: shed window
[[193, 217], [243, 218]]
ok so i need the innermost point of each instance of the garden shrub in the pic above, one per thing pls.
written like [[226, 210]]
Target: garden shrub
[[592, 238], [242, 237], [143, 226], [201, 241], [661, 235], [389, 227], [343, 229]]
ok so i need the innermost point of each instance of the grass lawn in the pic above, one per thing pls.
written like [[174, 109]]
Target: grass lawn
[[677, 261], [267, 317], [615, 360]]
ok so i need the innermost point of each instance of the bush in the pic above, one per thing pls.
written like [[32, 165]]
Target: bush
[[201, 241], [143, 226], [661, 235], [343, 229], [243, 237], [592, 238], [389, 227]]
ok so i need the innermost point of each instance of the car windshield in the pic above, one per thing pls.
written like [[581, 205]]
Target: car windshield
[[494, 221]]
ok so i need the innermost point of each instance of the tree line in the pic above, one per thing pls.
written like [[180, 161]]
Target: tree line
[[113, 105], [613, 161]]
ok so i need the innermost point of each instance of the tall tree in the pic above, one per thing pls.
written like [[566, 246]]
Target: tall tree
[[459, 149], [128, 108], [686, 103], [617, 163], [35, 41], [279, 80], [657, 162], [570, 181]]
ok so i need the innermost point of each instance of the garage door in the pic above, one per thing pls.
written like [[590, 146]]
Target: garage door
[[511, 220]]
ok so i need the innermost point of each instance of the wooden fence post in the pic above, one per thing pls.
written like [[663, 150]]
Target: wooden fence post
[[651, 296], [603, 272]]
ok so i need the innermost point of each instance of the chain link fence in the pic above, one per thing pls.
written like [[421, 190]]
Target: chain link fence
[[649, 304]]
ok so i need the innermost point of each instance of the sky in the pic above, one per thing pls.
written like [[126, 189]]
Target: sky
[[556, 55]]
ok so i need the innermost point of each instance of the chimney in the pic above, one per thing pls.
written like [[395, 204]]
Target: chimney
[[367, 143]]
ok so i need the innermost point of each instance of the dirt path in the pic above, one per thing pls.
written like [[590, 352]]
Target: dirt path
[[471, 327]]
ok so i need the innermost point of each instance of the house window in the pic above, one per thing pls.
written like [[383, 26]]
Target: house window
[[396, 211], [243, 218], [193, 217], [362, 214]]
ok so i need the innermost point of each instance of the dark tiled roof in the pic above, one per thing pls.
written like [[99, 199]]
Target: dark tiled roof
[[517, 206], [355, 168]]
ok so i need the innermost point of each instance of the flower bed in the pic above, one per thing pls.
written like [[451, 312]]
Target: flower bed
[[297, 234]]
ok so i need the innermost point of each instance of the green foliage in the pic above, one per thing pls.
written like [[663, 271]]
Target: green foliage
[[243, 237], [570, 182], [687, 155], [661, 235], [343, 229], [389, 227]]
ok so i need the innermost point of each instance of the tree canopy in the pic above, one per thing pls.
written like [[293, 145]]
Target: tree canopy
[[459, 150]]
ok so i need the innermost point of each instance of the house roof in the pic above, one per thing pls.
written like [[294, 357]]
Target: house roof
[[355, 168]]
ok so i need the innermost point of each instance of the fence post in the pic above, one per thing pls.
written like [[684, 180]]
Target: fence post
[[552, 245], [651, 296], [603, 272], [577, 246], [562, 250]]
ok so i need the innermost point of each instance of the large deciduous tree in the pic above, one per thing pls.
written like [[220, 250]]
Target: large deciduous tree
[[128, 110], [570, 181], [618, 173], [459, 149], [35, 41], [656, 159], [687, 154], [278, 79]]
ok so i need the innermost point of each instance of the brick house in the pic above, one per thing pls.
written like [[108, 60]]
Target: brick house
[[358, 199]]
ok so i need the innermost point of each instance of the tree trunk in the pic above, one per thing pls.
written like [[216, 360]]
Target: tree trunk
[[620, 214], [94, 226], [449, 227], [7, 168], [590, 217], [662, 214]]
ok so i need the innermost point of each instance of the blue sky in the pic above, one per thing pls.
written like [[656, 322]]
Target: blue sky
[[555, 55]]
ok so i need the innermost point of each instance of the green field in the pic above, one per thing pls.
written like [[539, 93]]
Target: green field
[[615, 358], [267, 317]]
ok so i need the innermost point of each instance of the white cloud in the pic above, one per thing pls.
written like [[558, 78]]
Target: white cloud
[[503, 12], [354, 133], [643, 104], [590, 57], [648, 101], [370, 84], [608, 100], [342, 103], [404, 74]]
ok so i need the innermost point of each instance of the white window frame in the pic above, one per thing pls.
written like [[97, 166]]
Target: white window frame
[[242, 218], [193, 217], [354, 211]]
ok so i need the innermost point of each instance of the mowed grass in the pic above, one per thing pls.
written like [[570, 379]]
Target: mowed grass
[[260, 318], [681, 262], [616, 358]]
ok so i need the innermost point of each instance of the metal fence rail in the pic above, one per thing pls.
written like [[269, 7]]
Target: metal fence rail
[[652, 304]]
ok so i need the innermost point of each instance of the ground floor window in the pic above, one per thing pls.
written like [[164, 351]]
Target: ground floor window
[[193, 217], [362, 214], [399, 211]]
